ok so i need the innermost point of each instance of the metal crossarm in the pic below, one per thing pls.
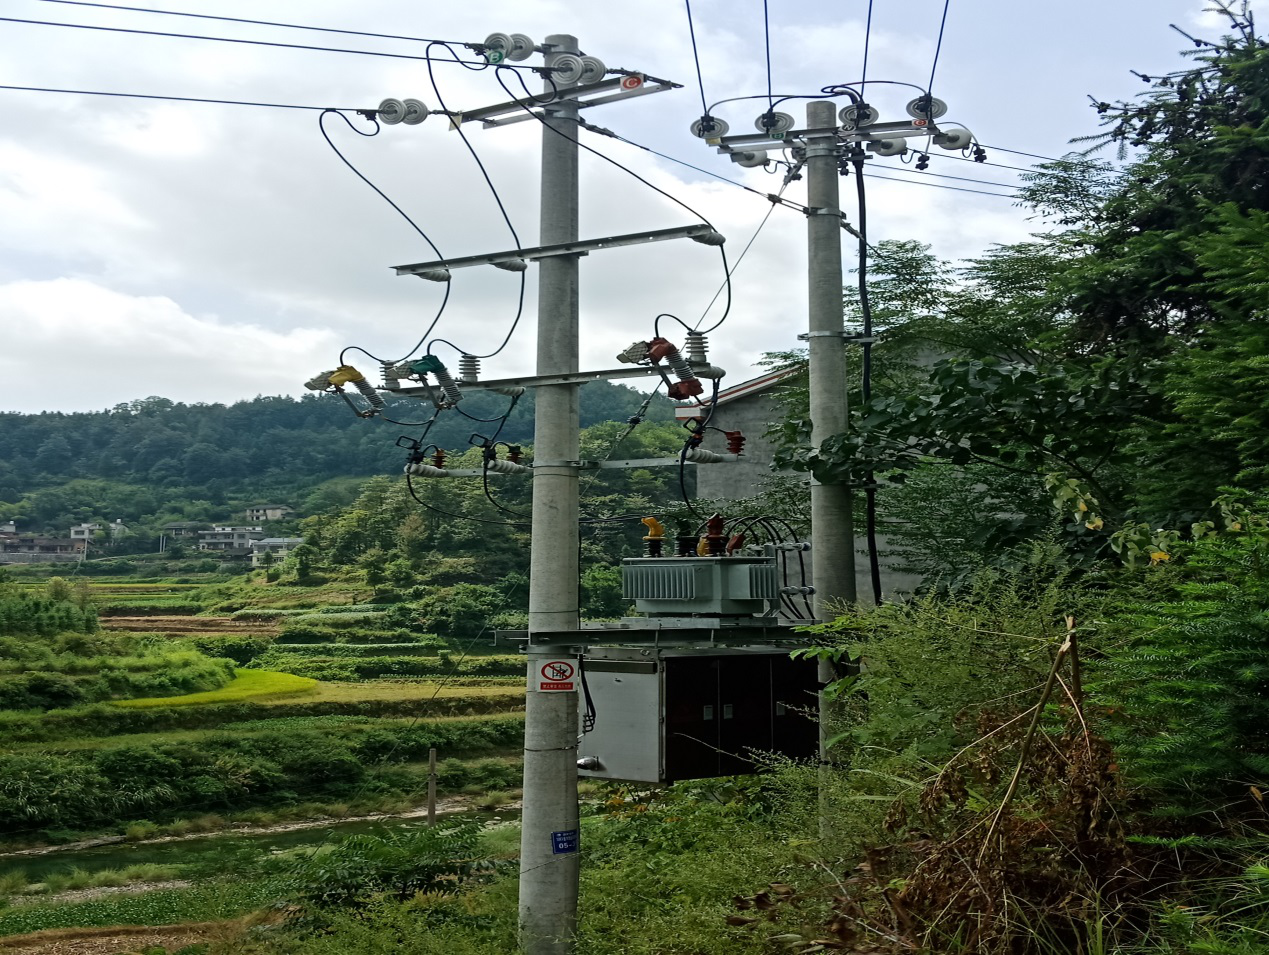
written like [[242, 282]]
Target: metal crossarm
[[518, 111], [516, 259]]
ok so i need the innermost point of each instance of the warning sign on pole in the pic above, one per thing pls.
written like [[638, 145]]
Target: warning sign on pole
[[631, 82], [556, 677]]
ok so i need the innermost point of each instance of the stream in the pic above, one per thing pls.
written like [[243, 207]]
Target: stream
[[218, 852]]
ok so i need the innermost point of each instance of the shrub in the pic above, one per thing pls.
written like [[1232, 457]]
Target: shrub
[[1189, 688], [242, 650], [400, 863]]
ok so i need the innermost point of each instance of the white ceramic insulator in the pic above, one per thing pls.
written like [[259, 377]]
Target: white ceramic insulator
[[521, 47], [888, 147], [425, 470], [566, 68], [391, 111], [415, 111], [506, 467], [935, 109], [701, 456], [774, 123], [593, 69], [853, 117], [954, 138], [718, 128]]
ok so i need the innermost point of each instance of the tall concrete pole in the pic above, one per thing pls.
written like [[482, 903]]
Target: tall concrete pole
[[832, 524], [549, 838]]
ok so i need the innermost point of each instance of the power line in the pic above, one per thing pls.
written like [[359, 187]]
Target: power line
[[506, 217], [476, 64], [940, 175], [775, 198], [867, 41], [766, 42], [261, 23], [770, 196], [1015, 152], [935, 185], [775, 201], [696, 57], [321, 125], [938, 47], [628, 171], [175, 99], [997, 165]]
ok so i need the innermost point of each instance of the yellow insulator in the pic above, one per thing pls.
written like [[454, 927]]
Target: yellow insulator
[[656, 530]]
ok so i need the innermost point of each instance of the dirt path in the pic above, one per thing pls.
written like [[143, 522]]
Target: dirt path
[[99, 892], [188, 625], [443, 807], [118, 939]]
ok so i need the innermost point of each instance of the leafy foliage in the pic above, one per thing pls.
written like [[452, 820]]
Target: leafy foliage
[[1189, 688], [399, 864]]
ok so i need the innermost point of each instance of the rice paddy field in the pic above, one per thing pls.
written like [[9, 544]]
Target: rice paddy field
[[330, 715]]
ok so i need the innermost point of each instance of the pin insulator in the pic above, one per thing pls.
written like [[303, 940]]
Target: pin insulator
[[715, 540], [514, 453], [735, 441], [652, 546], [688, 384], [438, 458], [468, 368], [368, 392], [684, 546], [697, 348]]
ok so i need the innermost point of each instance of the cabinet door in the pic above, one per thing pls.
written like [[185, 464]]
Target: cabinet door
[[692, 718], [744, 695], [795, 726]]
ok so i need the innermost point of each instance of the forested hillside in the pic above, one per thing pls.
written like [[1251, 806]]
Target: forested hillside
[[154, 460]]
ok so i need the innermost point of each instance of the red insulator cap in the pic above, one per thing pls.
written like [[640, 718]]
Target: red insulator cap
[[659, 348], [682, 390], [735, 441]]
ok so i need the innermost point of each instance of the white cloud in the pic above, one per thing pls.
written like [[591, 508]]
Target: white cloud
[[245, 212], [81, 345]]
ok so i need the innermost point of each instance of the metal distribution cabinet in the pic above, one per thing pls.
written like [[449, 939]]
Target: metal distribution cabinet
[[665, 714]]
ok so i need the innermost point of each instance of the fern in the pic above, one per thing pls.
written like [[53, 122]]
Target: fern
[[1190, 690]]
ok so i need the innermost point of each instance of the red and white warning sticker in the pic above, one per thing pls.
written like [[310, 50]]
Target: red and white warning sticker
[[556, 677]]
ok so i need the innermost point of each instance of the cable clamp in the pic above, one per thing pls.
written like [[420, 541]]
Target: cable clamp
[[537, 465], [813, 150], [813, 211], [845, 336]]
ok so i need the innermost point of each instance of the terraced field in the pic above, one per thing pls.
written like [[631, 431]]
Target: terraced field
[[332, 711], [184, 624]]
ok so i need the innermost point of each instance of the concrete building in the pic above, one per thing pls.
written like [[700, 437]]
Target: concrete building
[[268, 512], [34, 549], [84, 532], [279, 547], [751, 407], [230, 541], [176, 531]]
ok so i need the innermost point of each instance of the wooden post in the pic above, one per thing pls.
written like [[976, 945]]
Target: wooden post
[[431, 786]]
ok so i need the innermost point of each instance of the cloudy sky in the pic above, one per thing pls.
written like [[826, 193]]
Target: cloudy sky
[[213, 252]]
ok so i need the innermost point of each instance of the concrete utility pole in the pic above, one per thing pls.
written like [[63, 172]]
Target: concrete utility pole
[[832, 524], [549, 862]]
